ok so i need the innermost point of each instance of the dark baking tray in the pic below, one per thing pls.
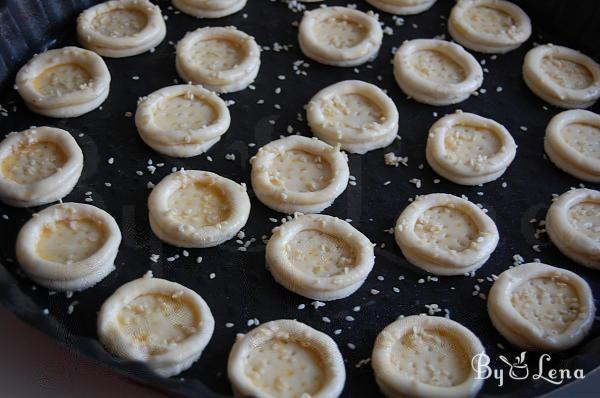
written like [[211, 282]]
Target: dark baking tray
[[243, 289]]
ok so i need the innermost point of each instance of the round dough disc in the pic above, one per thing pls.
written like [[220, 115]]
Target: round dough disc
[[445, 235], [299, 174], [572, 143], [196, 209], [340, 36], [436, 72], [209, 8], [158, 322], [561, 76], [221, 59], [469, 149], [489, 26], [38, 166], [539, 307], [182, 120], [357, 115], [289, 353], [121, 28], [319, 257], [68, 246], [65, 82], [426, 356], [573, 225], [402, 7]]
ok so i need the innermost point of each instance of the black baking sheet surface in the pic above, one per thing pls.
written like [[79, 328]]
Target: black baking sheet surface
[[242, 288]]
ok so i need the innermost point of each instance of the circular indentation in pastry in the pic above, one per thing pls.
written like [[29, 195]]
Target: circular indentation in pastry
[[561, 76], [121, 28], [220, 59], [573, 225], [197, 209], [489, 26], [469, 149], [209, 8], [426, 356], [158, 322], [539, 307], [436, 72], [340, 36], [572, 143], [65, 82], [182, 120], [286, 359], [38, 166], [402, 7], [68, 246], [299, 174], [445, 235], [319, 257], [357, 115]]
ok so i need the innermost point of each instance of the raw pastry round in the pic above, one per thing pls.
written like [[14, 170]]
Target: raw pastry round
[[445, 235], [195, 209], [182, 120], [573, 225], [158, 322], [539, 307], [340, 36], [469, 149], [221, 59], [68, 246], [121, 28], [299, 174], [402, 7], [357, 115], [286, 359], [489, 26], [65, 82], [426, 356], [572, 143], [319, 257], [38, 166], [209, 8], [561, 76], [436, 72]]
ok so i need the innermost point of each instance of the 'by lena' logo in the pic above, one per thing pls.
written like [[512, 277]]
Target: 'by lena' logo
[[519, 370]]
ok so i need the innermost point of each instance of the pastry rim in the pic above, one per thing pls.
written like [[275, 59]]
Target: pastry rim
[[430, 92], [564, 155], [481, 41], [290, 330], [550, 91], [298, 201], [150, 36], [502, 311], [70, 104], [382, 136], [173, 361], [168, 229], [199, 12], [234, 79], [461, 173], [41, 191], [319, 287], [356, 55], [390, 380], [434, 259], [571, 242], [80, 274], [144, 117]]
